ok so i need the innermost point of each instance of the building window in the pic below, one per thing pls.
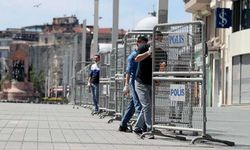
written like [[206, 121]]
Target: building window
[[46, 40], [245, 23], [241, 79], [241, 15], [236, 16]]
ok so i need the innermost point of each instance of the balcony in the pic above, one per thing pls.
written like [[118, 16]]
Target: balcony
[[195, 5]]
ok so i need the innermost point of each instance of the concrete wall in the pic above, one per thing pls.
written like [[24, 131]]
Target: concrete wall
[[238, 44]]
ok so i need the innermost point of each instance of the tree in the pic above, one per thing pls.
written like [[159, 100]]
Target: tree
[[38, 81]]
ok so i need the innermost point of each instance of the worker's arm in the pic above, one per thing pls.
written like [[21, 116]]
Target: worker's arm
[[127, 77], [89, 79], [143, 55]]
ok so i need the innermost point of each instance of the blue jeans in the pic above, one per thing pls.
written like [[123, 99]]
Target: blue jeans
[[95, 95], [145, 94], [134, 106]]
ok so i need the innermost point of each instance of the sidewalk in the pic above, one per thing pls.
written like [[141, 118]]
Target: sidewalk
[[230, 123], [52, 127]]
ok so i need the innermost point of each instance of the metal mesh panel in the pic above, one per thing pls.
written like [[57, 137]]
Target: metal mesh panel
[[104, 81], [118, 68], [119, 78], [130, 44], [121, 64], [111, 80], [178, 113], [87, 99], [178, 75]]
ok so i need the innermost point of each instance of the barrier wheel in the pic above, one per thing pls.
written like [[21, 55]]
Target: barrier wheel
[[195, 133], [110, 121]]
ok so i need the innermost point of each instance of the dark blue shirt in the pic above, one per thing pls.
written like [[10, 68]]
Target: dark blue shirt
[[132, 65], [94, 73], [144, 70]]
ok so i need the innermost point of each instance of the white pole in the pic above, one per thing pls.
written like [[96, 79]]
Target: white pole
[[83, 56], [83, 42], [115, 22], [95, 36], [70, 65], [75, 59], [163, 11], [65, 61]]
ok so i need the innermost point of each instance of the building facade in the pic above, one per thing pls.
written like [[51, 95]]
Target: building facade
[[238, 60], [4, 55], [55, 49], [228, 61], [205, 10]]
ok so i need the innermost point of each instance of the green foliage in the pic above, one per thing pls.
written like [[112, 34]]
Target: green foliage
[[38, 81], [55, 99], [45, 98], [1, 84], [7, 77]]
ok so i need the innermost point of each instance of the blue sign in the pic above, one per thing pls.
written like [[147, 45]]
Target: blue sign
[[177, 92], [223, 18], [177, 39]]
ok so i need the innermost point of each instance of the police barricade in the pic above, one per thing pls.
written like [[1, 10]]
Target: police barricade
[[111, 111], [105, 101], [121, 63], [116, 77], [79, 82], [179, 80], [86, 92], [110, 80]]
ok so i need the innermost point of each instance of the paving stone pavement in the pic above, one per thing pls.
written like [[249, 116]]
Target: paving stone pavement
[[60, 127]]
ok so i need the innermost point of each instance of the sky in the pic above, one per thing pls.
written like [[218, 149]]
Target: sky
[[21, 13]]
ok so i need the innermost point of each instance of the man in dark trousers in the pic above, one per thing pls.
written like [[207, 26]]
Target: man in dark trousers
[[143, 86], [93, 82], [134, 105]]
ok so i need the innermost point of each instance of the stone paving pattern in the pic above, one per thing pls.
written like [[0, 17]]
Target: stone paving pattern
[[60, 127]]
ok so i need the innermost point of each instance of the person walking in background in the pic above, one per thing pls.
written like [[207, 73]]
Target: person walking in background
[[143, 85], [160, 53], [134, 105], [93, 82]]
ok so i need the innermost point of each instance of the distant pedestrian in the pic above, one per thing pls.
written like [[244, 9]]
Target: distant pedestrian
[[160, 52], [93, 82], [134, 105], [160, 55]]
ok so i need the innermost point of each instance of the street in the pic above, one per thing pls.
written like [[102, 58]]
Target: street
[[52, 127]]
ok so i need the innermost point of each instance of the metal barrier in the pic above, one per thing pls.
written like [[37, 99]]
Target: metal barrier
[[80, 83], [179, 80], [177, 90], [86, 93], [116, 76], [106, 102], [120, 67]]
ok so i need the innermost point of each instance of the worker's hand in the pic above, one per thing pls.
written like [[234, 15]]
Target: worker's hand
[[157, 83], [89, 84], [149, 50], [126, 89]]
